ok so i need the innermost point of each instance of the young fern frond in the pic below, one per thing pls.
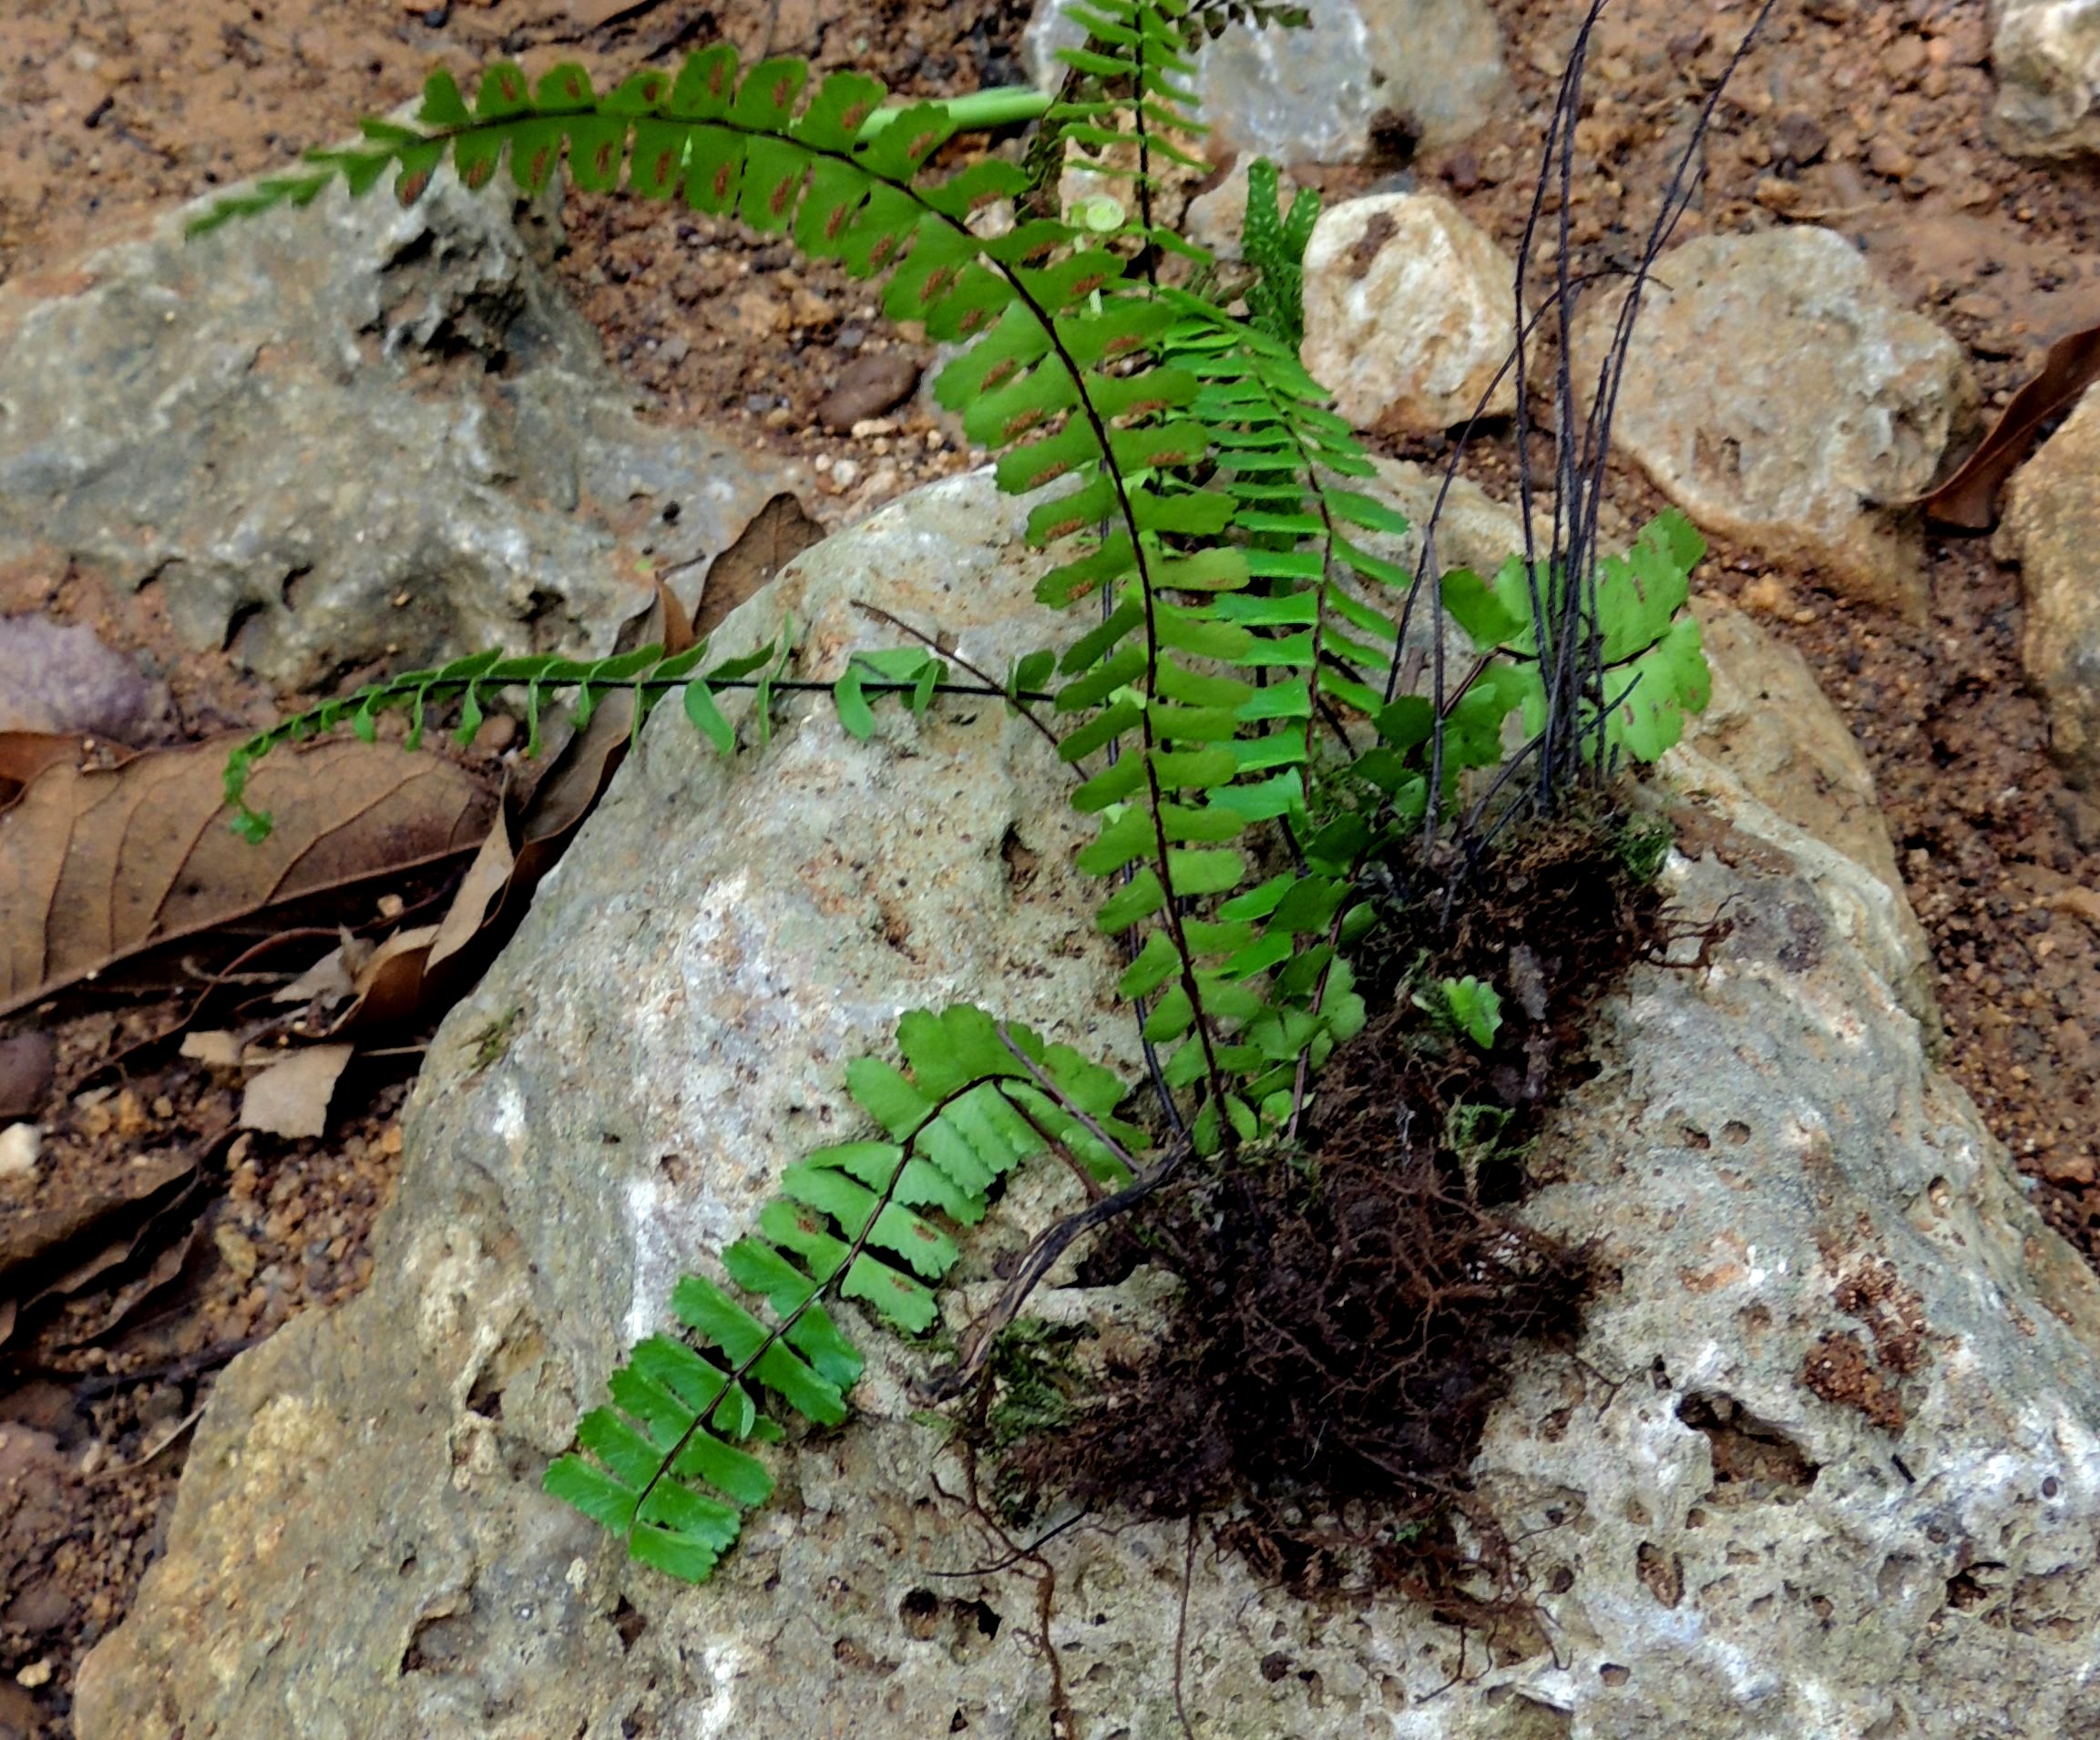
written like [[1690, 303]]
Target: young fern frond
[[1275, 244], [649, 674]]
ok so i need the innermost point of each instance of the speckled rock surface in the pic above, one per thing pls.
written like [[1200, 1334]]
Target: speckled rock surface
[[1411, 311], [1780, 394], [2052, 528], [1472, 529], [346, 434], [2046, 54], [1770, 728], [1828, 1461], [1317, 95]]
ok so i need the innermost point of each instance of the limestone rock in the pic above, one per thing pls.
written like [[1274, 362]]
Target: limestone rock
[[693, 977], [2047, 57], [1771, 730], [1827, 1460], [1411, 311], [2052, 528], [1779, 394], [1434, 67], [346, 434]]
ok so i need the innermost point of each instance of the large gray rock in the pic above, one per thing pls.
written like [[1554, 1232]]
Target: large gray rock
[[1317, 94], [1410, 313], [345, 435], [2052, 528], [2047, 56], [1827, 1460], [1779, 394]]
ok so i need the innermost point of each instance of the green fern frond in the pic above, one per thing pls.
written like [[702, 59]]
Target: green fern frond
[[663, 1466], [910, 674], [1274, 246], [1653, 670]]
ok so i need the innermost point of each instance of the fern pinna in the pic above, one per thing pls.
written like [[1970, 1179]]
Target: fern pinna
[[1243, 680]]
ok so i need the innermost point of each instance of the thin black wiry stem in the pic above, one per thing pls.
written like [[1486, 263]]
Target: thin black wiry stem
[[1561, 581], [953, 657]]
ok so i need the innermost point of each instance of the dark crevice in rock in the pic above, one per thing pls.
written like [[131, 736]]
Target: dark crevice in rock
[[1754, 1462]]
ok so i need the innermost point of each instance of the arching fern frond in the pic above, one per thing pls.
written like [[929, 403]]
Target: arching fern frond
[[665, 1466], [649, 674]]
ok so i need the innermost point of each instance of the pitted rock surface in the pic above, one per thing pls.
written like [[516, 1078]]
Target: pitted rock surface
[[2051, 527], [1827, 1460], [1410, 309], [2046, 54], [1433, 69]]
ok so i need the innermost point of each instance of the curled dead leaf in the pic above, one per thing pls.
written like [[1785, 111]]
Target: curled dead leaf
[[1969, 498], [52, 1254], [24, 754], [333, 977], [777, 534]]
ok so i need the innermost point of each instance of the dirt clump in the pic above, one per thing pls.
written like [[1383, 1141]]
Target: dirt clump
[[1351, 1301]]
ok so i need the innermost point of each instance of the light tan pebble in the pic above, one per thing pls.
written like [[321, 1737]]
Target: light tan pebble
[[20, 1145]]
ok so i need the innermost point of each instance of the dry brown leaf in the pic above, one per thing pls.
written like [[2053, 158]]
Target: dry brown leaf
[[486, 879], [524, 846], [418, 973], [55, 1253], [676, 621], [117, 1470], [390, 986], [24, 754], [539, 816], [166, 1266], [290, 1097], [1969, 498], [30, 1238], [214, 1048], [98, 866], [330, 978], [777, 534]]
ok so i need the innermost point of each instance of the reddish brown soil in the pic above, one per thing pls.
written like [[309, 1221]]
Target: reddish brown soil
[[1867, 114]]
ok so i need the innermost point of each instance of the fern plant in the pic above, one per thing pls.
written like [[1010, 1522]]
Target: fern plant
[[1241, 696]]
